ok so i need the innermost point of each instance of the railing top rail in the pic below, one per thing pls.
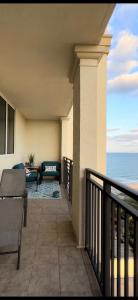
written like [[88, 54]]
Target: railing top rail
[[117, 185], [68, 159]]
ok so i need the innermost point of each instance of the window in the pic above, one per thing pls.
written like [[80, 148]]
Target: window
[[10, 133], [6, 128], [2, 126]]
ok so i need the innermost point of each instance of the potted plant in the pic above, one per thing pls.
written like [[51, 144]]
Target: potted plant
[[31, 159]]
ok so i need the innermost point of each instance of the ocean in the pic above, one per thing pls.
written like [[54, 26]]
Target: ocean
[[122, 167]]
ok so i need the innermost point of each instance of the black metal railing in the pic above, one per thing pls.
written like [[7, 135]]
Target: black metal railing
[[112, 234], [67, 176]]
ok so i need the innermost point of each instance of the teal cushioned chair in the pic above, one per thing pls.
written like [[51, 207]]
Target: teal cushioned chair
[[33, 176], [56, 173]]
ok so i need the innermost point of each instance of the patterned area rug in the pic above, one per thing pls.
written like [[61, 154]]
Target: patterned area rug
[[45, 190]]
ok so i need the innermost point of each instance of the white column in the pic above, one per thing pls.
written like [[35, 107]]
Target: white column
[[89, 126]]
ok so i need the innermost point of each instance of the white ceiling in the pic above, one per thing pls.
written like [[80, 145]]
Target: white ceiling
[[36, 49]]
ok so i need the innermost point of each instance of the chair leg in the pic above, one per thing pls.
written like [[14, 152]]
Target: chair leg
[[25, 211], [18, 259]]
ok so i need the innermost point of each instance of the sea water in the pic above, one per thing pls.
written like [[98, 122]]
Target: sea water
[[122, 167]]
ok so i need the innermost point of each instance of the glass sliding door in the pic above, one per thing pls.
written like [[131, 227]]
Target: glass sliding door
[[2, 126], [10, 131]]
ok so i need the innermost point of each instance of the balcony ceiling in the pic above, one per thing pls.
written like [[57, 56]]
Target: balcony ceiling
[[36, 49]]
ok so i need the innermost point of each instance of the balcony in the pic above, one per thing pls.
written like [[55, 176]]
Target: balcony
[[53, 104]]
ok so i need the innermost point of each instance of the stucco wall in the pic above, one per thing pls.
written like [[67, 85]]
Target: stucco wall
[[43, 139]]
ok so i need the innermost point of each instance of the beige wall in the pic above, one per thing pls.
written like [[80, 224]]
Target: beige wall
[[43, 139], [8, 160]]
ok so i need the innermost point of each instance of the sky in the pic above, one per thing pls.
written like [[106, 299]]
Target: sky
[[122, 84]]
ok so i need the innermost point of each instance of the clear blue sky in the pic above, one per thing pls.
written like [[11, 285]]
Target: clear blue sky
[[122, 86]]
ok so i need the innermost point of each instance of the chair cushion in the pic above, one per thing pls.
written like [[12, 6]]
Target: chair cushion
[[19, 166], [56, 173]]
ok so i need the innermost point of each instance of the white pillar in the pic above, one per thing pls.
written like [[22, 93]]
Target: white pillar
[[89, 126]]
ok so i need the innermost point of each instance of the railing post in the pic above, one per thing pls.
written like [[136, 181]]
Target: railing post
[[63, 170], [70, 183], [86, 210], [106, 239], [136, 258], [65, 173]]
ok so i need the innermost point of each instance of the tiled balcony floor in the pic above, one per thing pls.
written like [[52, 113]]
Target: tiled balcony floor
[[51, 264]]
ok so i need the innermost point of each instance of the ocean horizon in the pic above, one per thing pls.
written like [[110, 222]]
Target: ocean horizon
[[122, 167]]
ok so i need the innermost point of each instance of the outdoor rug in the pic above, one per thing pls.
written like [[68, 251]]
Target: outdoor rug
[[45, 190]]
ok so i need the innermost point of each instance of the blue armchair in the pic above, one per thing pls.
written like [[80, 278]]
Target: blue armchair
[[45, 170], [30, 177]]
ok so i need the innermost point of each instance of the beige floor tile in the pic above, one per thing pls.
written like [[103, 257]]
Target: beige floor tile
[[6, 268], [46, 239], [46, 255], [27, 255], [49, 210], [3, 286], [45, 281], [33, 219], [77, 294], [74, 280], [34, 210], [31, 226], [29, 238], [63, 218], [70, 255], [48, 227], [66, 239], [17, 282], [62, 210], [34, 204], [8, 259], [65, 226], [49, 203], [48, 218]]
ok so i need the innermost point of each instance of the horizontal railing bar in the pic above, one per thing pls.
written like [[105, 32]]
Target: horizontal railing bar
[[119, 186]]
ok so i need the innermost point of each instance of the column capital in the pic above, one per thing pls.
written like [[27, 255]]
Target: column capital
[[83, 53]]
